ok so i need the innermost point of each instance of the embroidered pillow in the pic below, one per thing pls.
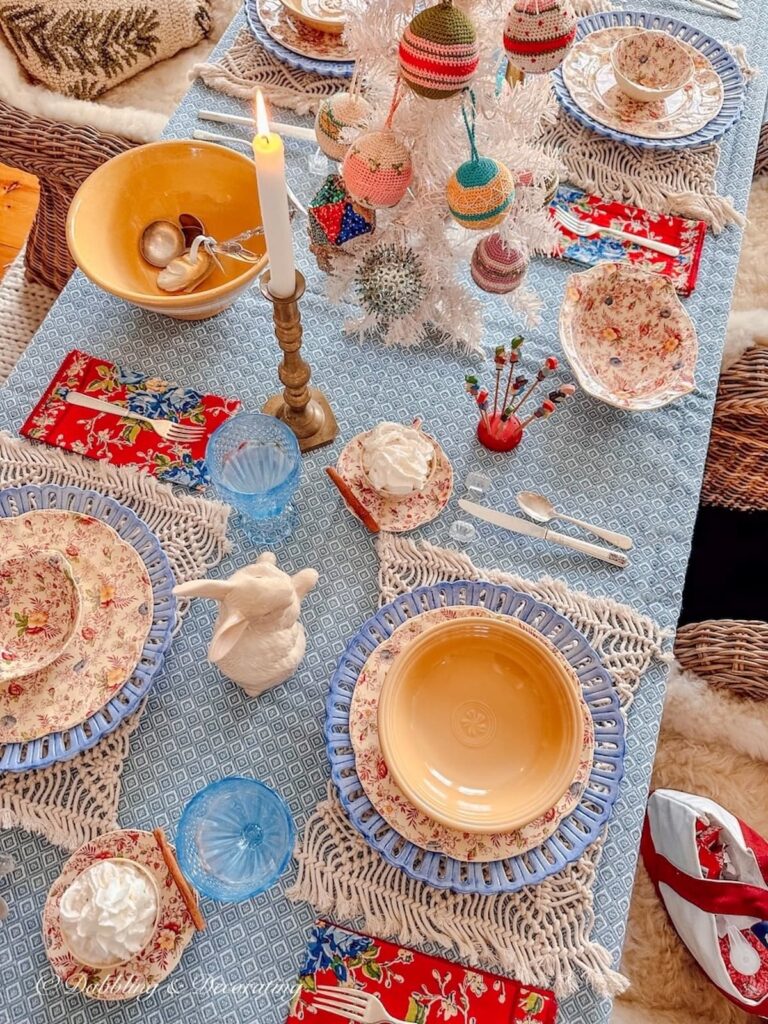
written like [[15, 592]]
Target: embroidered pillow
[[82, 48]]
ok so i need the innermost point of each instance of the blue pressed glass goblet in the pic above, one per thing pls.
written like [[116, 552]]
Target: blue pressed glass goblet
[[255, 463], [234, 839]]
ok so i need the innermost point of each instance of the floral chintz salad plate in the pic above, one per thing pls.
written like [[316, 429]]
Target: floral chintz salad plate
[[40, 610], [116, 618], [627, 337]]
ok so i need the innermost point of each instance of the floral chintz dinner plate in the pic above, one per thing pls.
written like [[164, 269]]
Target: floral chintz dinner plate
[[152, 964], [391, 802], [627, 337]]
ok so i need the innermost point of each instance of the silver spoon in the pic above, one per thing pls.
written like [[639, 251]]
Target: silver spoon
[[160, 242], [543, 511]]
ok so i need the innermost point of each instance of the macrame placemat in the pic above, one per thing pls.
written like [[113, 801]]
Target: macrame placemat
[[666, 181], [543, 934], [73, 801]]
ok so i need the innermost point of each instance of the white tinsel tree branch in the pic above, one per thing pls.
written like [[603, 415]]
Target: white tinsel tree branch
[[508, 120]]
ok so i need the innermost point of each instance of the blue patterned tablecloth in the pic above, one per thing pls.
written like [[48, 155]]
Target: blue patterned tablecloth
[[640, 474]]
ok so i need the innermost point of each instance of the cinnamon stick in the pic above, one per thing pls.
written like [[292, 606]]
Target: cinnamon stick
[[185, 889], [352, 500]]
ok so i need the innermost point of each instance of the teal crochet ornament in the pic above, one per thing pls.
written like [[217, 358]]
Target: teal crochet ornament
[[481, 191]]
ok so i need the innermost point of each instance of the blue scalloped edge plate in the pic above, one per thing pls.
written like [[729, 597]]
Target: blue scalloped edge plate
[[326, 68], [61, 746], [575, 832], [734, 86]]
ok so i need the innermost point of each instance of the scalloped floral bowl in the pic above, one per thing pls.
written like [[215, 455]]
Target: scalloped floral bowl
[[651, 65], [627, 337], [40, 609]]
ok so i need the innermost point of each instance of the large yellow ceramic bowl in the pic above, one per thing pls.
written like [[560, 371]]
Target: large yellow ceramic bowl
[[480, 724], [159, 181]]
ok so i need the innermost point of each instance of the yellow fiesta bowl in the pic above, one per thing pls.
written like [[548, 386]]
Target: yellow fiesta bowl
[[480, 724], [159, 181]]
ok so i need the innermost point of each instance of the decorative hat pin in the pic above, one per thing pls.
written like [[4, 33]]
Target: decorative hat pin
[[500, 428]]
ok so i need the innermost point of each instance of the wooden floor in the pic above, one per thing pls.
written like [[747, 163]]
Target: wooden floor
[[19, 194]]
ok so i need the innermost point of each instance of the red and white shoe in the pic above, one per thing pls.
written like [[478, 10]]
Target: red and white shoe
[[711, 872]]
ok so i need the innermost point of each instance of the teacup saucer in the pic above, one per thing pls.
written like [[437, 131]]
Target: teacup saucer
[[398, 515], [591, 81], [173, 931]]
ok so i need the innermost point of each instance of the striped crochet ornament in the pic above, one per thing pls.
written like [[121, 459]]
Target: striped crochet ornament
[[377, 169], [439, 52], [497, 267], [538, 34], [337, 114], [480, 193]]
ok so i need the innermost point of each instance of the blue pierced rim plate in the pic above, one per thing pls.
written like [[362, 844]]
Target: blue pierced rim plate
[[61, 746], [574, 833], [295, 45], [721, 61]]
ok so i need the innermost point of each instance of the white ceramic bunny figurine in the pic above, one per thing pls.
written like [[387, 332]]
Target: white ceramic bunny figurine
[[258, 640]]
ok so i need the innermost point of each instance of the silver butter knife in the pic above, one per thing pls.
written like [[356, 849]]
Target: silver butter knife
[[530, 529]]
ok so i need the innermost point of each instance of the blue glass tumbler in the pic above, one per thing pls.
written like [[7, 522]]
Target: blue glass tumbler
[[234, 839], [255, 463]]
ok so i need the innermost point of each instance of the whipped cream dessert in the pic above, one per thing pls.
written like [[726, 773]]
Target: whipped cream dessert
[[108, 913], [397, 459]]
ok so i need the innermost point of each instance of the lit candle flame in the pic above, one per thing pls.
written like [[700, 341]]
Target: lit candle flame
[[262, 118]]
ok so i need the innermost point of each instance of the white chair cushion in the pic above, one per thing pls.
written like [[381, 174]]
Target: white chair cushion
[[137, 109]]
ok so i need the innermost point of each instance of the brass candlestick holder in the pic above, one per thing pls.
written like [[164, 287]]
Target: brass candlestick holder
[[304, 409]]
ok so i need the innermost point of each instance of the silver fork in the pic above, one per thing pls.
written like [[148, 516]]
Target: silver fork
[[167, 429], [586, 229], [353, 1005]]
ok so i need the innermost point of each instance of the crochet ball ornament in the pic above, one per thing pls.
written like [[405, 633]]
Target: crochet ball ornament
[[538, 34], [390, 282], [335, 220], [377, 169], [480, 193], [439, 52], [337, 114], [497, 267]]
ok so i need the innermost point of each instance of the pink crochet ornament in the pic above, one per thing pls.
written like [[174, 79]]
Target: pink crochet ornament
[[497, 267], [377, 168], [538, 34]]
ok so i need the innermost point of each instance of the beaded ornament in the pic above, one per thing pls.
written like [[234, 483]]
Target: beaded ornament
[[390, 282]]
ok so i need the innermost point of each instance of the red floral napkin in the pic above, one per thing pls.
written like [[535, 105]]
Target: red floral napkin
[[127, 442], [686, 235], [412, 986]]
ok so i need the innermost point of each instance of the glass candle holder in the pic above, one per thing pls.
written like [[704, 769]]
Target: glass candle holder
[[499, 435], [255, 464], [234, 839]]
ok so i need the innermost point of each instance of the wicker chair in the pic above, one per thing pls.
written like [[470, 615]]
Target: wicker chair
[[62, 155], [730, 654], [736, 473], [61, 163]]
